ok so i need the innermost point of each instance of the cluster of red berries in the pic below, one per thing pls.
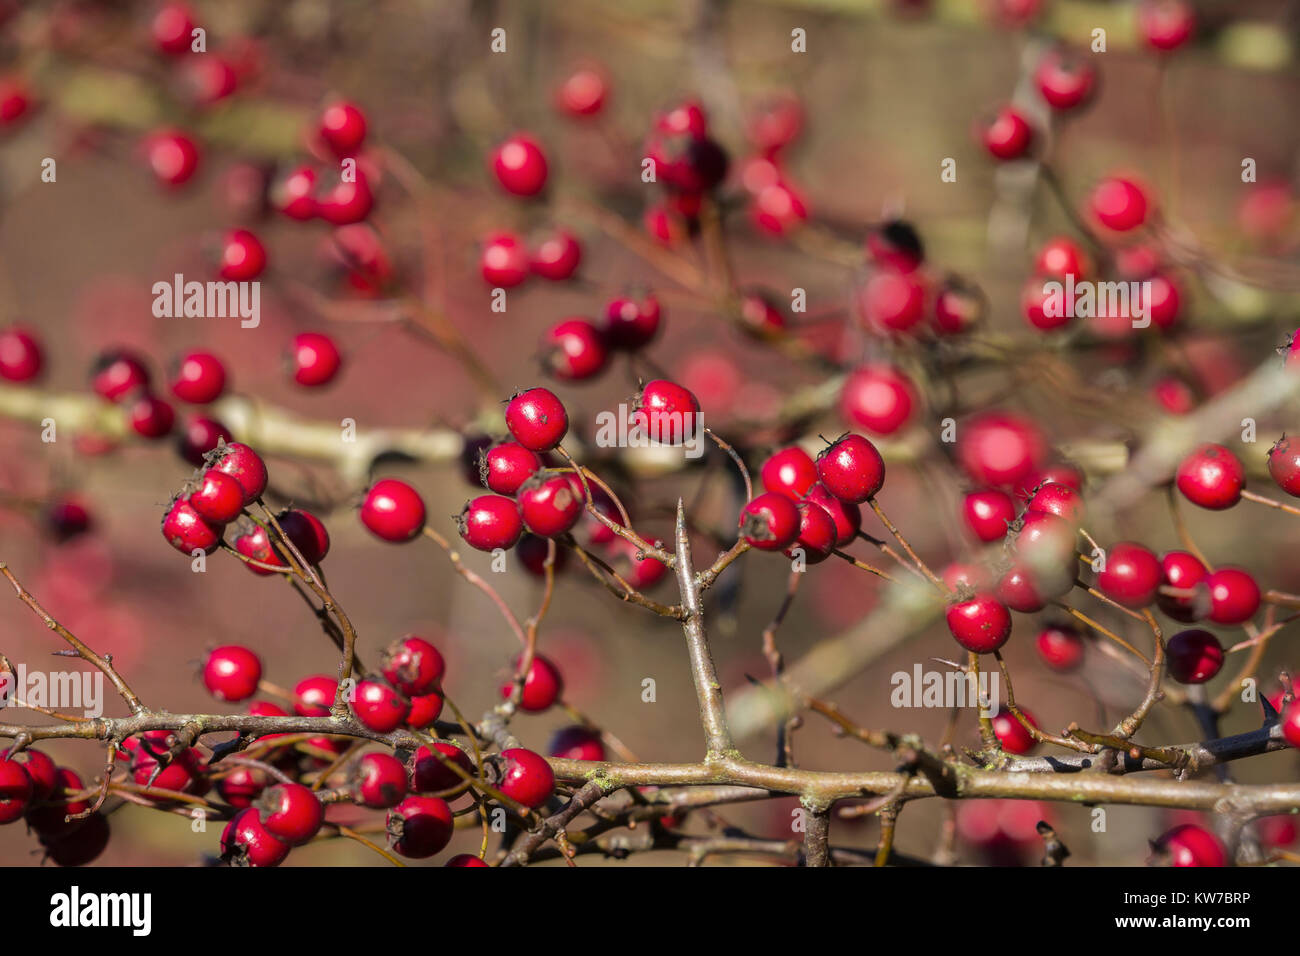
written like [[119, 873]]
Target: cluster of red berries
[[55, 805], [234, 477]]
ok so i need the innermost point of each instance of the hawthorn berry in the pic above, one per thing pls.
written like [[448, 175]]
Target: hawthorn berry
[[1014, 737], [896, 244], [342, 127], [980, 623], [1060, 646], [172, 28], [119, 374], [186, 531], [1190, 845], [1163, 301], [878, 398], [988, 513], [817, 533], [379, 781], [246, 842], [15, 790], [1000, 448], [66, 518], [557, 256], [232, 673], [489, 522], [1064, 80], [542, 686], [1284, 465], [576, 743], [790, 471], [314, 696], [525, 777], [1044, 540], [503, 261], [217, 498], [1132, 575], [393, 510], [631, 324], [537, 419], [150, 416], [1212, 477], [1007, 135], [640, 571], [1061, 257], [1165, 25], [380, 707], [244, 465], [959, 306], [759, 316], [683, 156], [1290, 719], [957, 575], [778, 209], [851, 469], [314, 359], [256, 544], [1184, 571], [847, 516], [1119, 204], [307, 533], [1194, 656], [198, 436], [582, 94], [419, 827], [430, 774], [1045, 308], [209, 79], [425, 709], [1060, 500], [199, 378], [21, 358], [519, 165], [770, 522], [291, 813], [413, 665], [172, 156], [574, 349], [294, 193], [43, 771], [50, 820], [1234, 596], [1025, 589], [347, 202], [549, 506], [666, 412], [243, 257], [81, 845], [892, 302], [241, 786]]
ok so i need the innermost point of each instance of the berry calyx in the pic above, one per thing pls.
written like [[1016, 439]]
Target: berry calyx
[[244, 465], [419, 827], [980, 623], [413, 665], [1284, 465], [896, 244], [232, 672], [1194, 656], [1212, 477], [542, 686], [537, 419], [851, 469], [525, 777], [218, 498], [489, 522], [770, 522]]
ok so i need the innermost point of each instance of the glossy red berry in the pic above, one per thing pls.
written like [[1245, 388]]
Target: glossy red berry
[[15, 790], [425, 709], [489, 522], [66, 517], [314, 359], [1060, 500], [173, 157], [980, 623], [542, 686], [851, 469], [393, 510], [1284, 465], [243, 257], [21, 358], [307, 532], [1164, 301], [684, 157], [1290, 720], [118, 375], [1023, 589], [999, 448], [1234, 596], [1060, 647], [379, 781], [1212, 477], [817, 533], [241, 786], [150, 416], [413, 665], [256, 544], [314, 696], [172, 28], [505, 467], [342, 127], [1132, 575], [760, 316], [200, 377], [549, 506], [1184, 571], [574, 350], [1045, 541], [878, 398], [419, 827], [81, 844], [847, 516], [187, 532], [294, 194], [178, 774], [630, 323], [557, 256], [1190, 845], [347, 201], [1008, 134], [1014, 737], [232, 672], [525, 777], [520, 165], [1119, 204], [988, 513], [641, 572], [892, 302], [1065, 81], [666, 412], [790, 471], [291, 813], [1060, 257], [778, 209], [43, 771], [582, 94], [430, 774], [959, 306], [380, 707], [1165, 25], [246, 842], [770, 522], [218, 498], [244, 465], [1194, 656], [576, 743], [537, 419], [503, 261]]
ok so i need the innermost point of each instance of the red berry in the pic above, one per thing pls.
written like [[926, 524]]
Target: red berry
[[117, 375], [1183, 571], [15, 790], [172, 28], [666, 412], [557, 256], [425, 709], [778, 209], [256, 544], [1045, 308], [1059, 499], [489, 522], [186, 531], [314, 696], [770, 522], [66, 517], [419, 827], [980, 623], [520, 165], [150, 416], [1234, 596], [576, 743], [314, 358], [245, 466], [892, 302], [537, 419], [200, 378], [243, 257], [958, 307], [760, 316], [1061, 647], [413, 665], [50, 820], [246, 842], [641, 572], [291, 813], [896, 244], [21, 358], [684, 158], [1060, 257], [218, 498], [1284, 465], [504, 467], [1190, 845], [379, 707], [1025, 590], [1132, 575], [790, 472], [851, 469], [347, 202], [178, 775], [988, 513], [1194, 656], [232, 672], [43, 771], [1064, 80], [431, 775], [549, 506], [393, 510], [1163, 301], [1014, 737], [878, 398], [525, 777], [632, 324], [307, 533], [294, 194], [1165, 24], [998, 448], [242, 786], [542, 686], [1119, 204], [574, 350], [817, 533], [847, 516], [1008, 134], [379, 781], [504, 260], [582, 94], [972, 576], [1290, 720], [342, 127], [1212, 477], [172, 156]]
